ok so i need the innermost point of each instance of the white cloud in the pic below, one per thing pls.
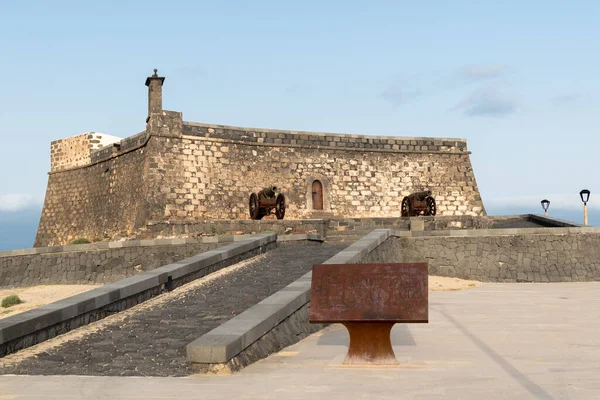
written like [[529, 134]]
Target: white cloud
[[398, 96], [476, 73], [17, 201], [566, 98], [487, 102]]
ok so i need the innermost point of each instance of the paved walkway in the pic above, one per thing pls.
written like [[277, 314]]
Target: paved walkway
[[498, 341]]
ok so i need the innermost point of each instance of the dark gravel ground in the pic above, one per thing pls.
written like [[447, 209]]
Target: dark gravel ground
[[151, 342], [515, 223]]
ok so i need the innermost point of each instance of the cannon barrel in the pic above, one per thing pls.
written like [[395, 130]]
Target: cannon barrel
[[269, 192], [420, 196], [262, 203]]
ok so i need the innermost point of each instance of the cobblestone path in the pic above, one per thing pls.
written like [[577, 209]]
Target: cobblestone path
[[151, 342]]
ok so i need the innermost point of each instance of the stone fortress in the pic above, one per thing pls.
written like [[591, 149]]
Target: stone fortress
[[101, 186]]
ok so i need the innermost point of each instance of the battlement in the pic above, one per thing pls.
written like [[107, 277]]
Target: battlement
[[342, 141], [77, 150]]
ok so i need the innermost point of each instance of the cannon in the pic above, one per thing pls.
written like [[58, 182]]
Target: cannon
[[265, 201], [419, 203]]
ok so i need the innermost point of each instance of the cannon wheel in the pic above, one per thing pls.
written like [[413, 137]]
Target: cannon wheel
[[280, 206], [253, 205], [430, 205], [406, 207]]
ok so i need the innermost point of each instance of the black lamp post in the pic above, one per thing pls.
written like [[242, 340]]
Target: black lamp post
[[545, 205], [585, 196]]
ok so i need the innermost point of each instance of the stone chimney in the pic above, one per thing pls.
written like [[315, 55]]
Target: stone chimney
[[154, 84]]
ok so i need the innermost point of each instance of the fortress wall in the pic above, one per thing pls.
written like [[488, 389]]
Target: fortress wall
[[92, 200], [212, 177], [161, 175]]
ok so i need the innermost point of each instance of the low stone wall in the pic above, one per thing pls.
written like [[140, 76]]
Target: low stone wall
[[329, 227], [278, 321], [501, 255], [42, 323], [429, 223], [97, 262], [236, 227]]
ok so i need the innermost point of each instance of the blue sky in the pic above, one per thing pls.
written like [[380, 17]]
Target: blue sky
[[518, 79]]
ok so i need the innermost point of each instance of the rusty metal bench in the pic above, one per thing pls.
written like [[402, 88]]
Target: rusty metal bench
[[368, 299]]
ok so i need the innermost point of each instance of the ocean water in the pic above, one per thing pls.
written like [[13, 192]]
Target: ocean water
[[18, 228]]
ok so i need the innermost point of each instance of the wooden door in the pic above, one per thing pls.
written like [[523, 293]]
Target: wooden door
[[317, 195]]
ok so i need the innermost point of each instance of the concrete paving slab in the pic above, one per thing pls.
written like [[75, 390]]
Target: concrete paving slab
[[497, 341]]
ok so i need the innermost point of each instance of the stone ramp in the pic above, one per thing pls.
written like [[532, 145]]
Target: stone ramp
[[150, 339]]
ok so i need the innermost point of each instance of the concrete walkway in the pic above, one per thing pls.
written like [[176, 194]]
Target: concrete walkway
[[498, 341]]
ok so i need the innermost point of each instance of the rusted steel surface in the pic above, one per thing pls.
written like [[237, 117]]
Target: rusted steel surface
[[419, 203], [370, 343], [264, 202], [369, 292], [369, 299]]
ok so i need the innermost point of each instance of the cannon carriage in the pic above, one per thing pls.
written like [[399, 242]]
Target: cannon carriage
[[264, 202], [419, 203]]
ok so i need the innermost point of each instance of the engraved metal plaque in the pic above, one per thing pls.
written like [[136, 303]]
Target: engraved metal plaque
[[369, 292]]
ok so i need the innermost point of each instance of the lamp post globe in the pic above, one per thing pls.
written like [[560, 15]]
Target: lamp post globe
[[585, 197], [545, 206]]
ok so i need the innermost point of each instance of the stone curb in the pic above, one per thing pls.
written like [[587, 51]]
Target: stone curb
[[29, 322], [300, 236], [123, 244], [228, 340]]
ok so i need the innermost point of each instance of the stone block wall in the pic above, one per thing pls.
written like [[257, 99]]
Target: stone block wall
[[73, 265], [75, 151], [212, 177], [500, 258], [105, 198]]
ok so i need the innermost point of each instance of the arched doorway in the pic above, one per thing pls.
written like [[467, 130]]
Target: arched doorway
[[317, 195]]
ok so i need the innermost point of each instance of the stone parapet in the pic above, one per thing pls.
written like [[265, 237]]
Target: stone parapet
[[76, 151], [277, 137]]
